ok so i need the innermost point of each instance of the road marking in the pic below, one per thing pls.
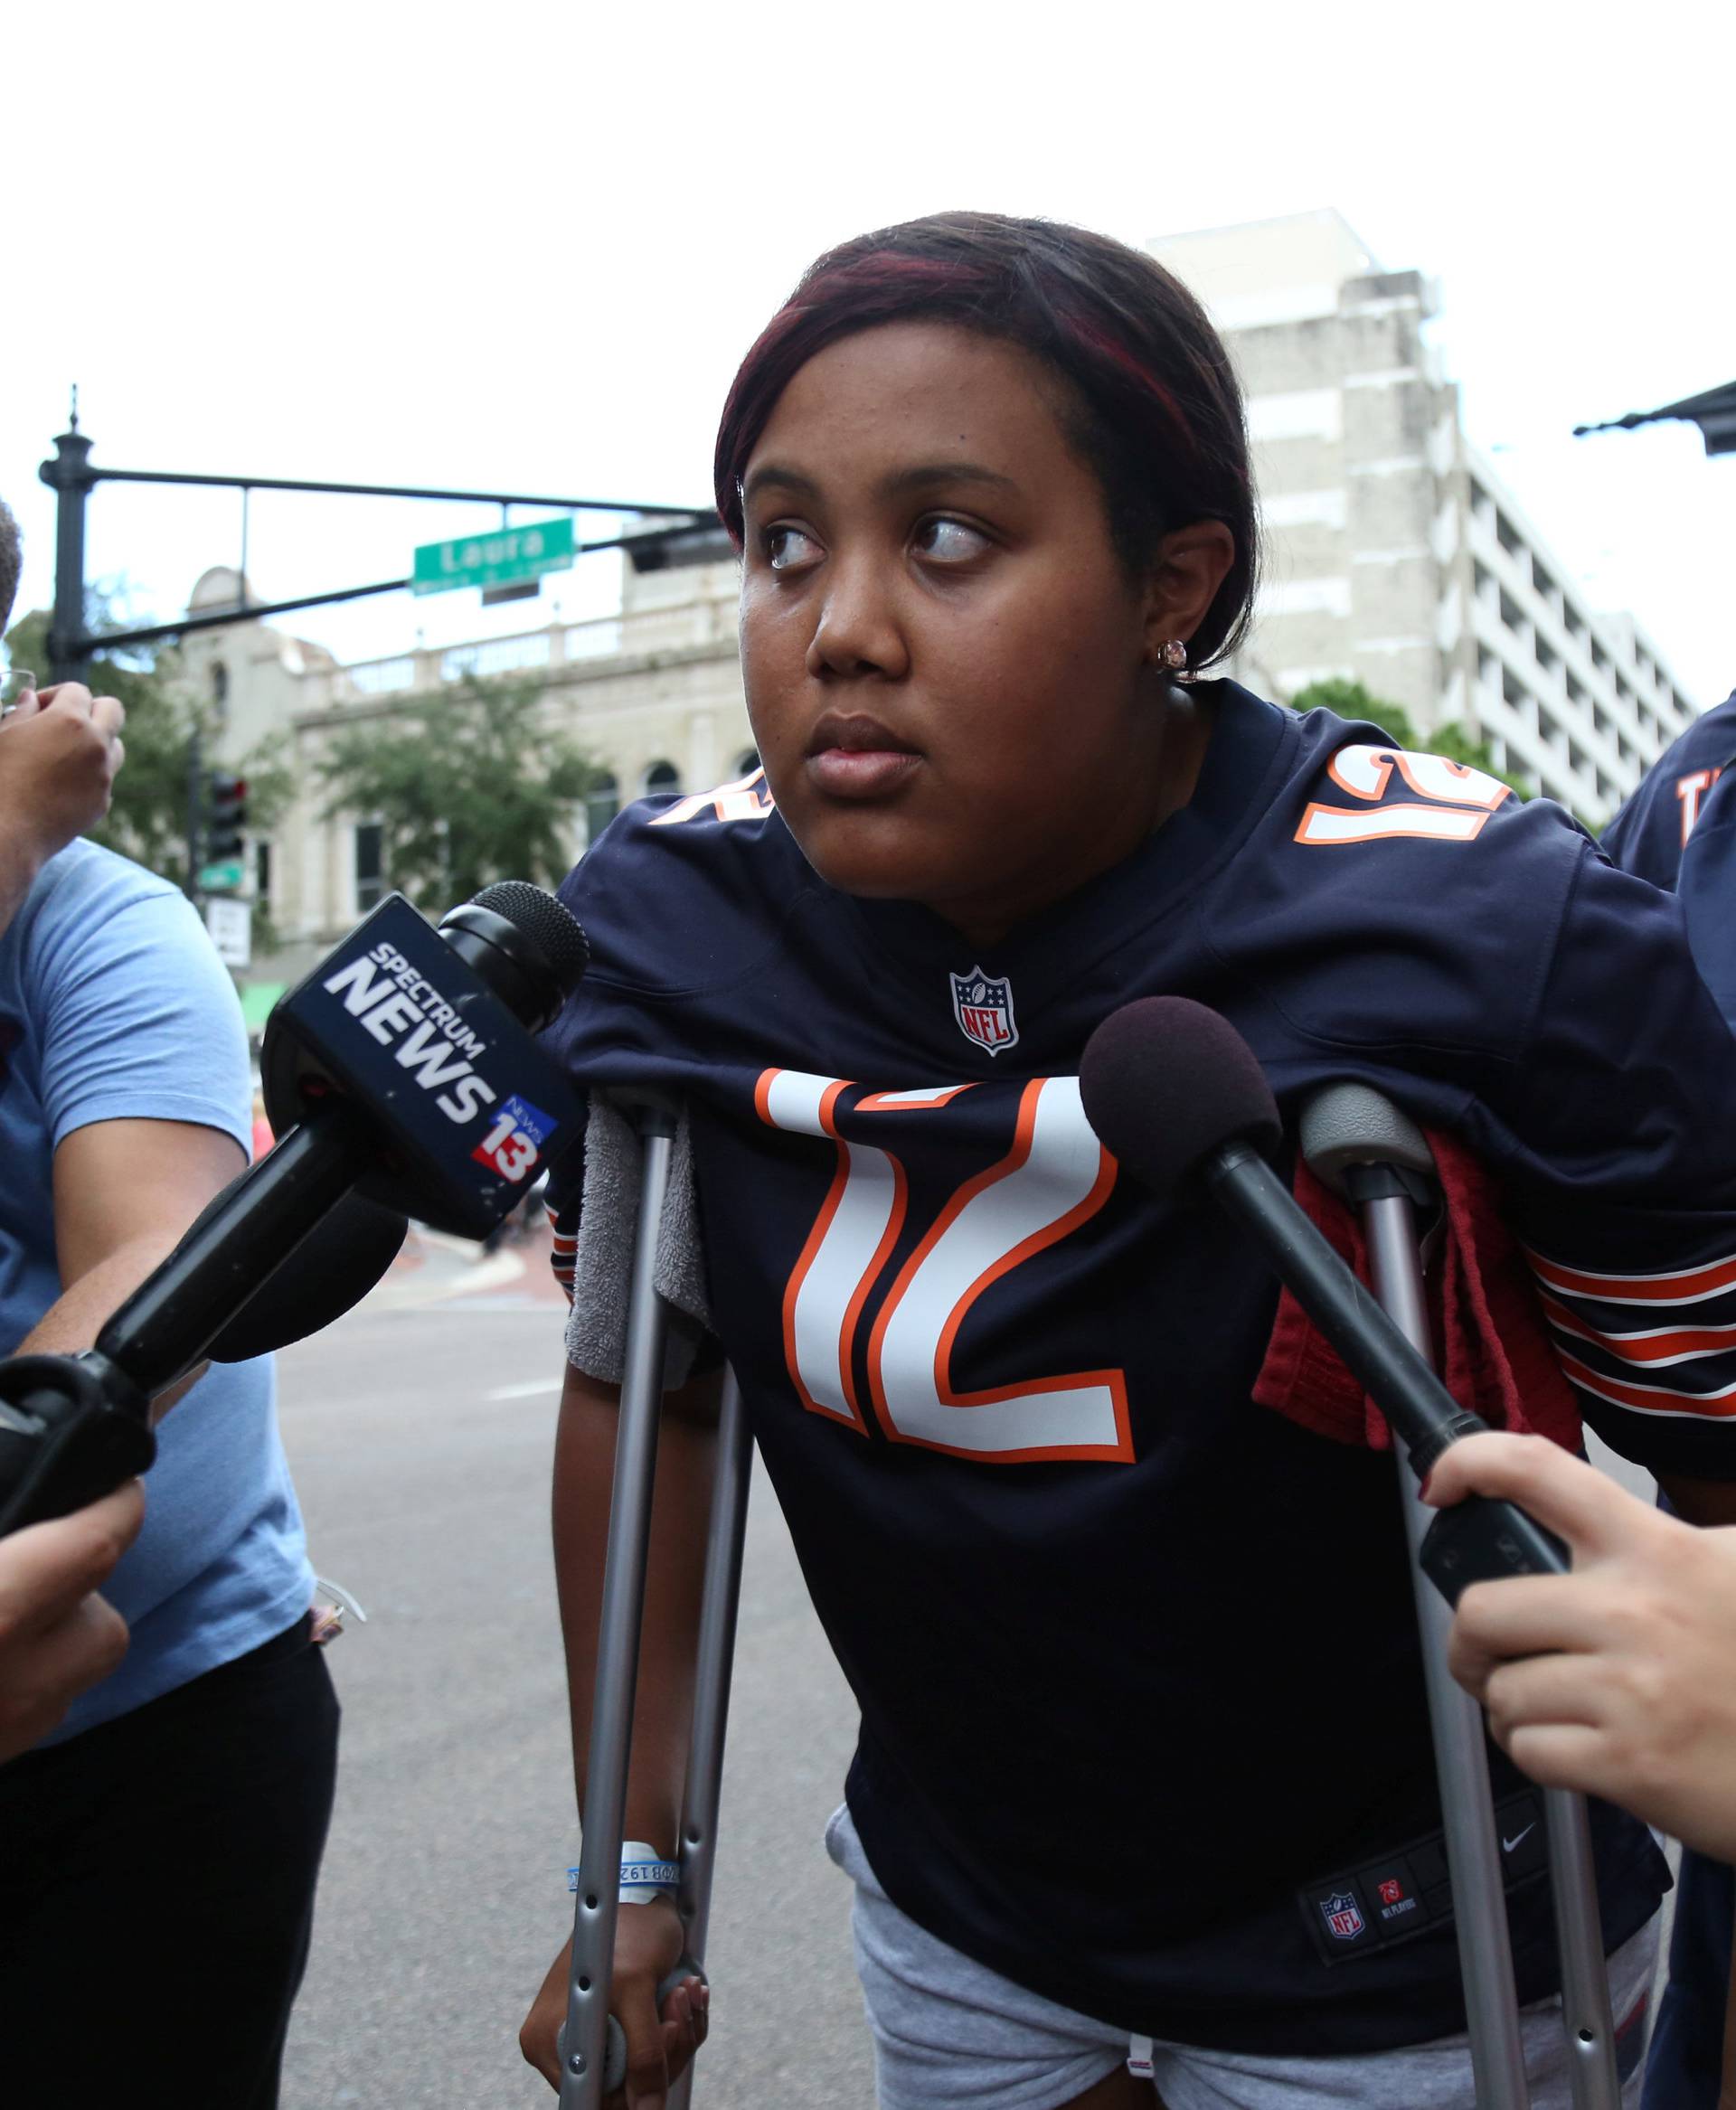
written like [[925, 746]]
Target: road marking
[[524, 1391]]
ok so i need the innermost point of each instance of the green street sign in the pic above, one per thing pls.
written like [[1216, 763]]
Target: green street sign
[[218, 879], [499, 559]]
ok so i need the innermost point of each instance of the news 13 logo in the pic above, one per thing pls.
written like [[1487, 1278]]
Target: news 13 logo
[[514, 1144]]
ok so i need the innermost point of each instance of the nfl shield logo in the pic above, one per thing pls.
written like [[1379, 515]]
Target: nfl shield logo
[[984, 1008], [1344, 1921]]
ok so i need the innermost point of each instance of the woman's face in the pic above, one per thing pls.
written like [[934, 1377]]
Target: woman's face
[[950, 677]]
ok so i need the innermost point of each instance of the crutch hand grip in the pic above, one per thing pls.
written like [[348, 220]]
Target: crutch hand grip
[[1482, 1538], [615, 2047]]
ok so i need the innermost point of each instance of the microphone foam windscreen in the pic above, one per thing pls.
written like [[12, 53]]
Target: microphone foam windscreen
[[547, 923], [1165, 1081], [333, 1268]]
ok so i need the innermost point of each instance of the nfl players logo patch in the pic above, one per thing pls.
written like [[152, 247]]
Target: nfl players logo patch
[[1344, 1921], [984, 1008]]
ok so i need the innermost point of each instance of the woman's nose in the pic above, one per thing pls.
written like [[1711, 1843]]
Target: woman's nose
[[859, 630]]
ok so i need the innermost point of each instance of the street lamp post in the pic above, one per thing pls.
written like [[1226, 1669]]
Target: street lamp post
[[72, 477]]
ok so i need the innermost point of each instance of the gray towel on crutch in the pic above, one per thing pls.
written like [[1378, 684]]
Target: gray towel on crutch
[[602, 1263]]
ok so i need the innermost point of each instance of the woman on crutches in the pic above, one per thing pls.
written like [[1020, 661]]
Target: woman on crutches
[[1143, 1806]]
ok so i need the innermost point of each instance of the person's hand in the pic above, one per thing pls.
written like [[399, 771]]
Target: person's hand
[[647, 1947], [1618, 1678], [56, 1635], [58, 751]]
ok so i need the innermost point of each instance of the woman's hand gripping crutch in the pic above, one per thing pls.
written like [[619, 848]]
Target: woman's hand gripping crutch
[[631, 1571], [661, 2034]]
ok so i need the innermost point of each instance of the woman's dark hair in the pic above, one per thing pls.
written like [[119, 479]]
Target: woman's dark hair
[[1150, 401]]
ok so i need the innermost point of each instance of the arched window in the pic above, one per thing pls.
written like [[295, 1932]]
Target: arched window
[[746, 763], [369, 866], [661, 776], [602, 803]]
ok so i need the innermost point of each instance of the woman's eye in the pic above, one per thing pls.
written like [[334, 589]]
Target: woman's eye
[[787, 547], [949, 541]]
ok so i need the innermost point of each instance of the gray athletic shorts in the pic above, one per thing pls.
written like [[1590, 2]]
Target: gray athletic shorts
[[950, 2034]]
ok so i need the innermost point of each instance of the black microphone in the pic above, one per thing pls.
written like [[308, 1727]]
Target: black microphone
[[333, 1268], [403, 1073], [1177, 1096]]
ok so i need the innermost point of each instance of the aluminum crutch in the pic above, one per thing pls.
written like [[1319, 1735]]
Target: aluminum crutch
[[702, 1792], [592, 2049], [1361, 1145], [584, 2039]]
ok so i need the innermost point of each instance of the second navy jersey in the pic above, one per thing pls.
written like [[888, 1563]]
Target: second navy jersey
[[1649, 833], [1137, 1657], [1679, 831]]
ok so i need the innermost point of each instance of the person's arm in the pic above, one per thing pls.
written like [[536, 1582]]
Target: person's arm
[[57, 1636], [125, 1192], [59, 752], [1619, 1680], [649, 1938]]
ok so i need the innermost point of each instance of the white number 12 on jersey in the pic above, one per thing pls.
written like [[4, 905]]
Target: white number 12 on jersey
[[1055, 1176]]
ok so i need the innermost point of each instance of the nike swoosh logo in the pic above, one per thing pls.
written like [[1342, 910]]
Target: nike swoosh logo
[[1507, 1844]]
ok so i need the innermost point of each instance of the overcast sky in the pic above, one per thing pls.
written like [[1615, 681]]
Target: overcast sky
[[523, 247]]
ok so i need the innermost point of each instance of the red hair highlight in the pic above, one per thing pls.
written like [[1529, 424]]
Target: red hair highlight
[[1153, 404]]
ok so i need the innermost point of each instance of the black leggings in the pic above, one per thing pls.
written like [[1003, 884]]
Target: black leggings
[[156, 1891]]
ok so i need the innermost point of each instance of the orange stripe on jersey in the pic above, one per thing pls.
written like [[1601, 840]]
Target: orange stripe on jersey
[[1683, 1286], [1657, 1344], [1651, 1398]]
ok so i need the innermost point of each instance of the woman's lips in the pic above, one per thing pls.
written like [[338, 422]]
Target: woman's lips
[[861, 772], [852, 755]]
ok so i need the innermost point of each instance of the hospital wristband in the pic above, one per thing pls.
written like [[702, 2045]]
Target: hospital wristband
[[645, 1874]]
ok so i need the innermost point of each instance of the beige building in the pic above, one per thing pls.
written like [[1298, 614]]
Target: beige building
[[1395, 556], [653, 693]]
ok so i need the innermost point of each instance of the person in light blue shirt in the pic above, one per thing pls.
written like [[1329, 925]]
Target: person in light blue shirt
[[159, 1852]]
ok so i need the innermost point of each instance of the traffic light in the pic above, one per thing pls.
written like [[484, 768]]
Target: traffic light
[[226, 823]]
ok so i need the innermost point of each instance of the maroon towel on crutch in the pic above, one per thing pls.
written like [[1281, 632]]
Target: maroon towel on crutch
[[1492, 1346]]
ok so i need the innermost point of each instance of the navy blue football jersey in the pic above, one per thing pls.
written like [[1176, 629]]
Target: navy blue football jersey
[[1651, 829], [1143, 1725], [1706, 888], [1679, 831]]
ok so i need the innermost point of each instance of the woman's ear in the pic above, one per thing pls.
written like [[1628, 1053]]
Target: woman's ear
[[1190, 565]]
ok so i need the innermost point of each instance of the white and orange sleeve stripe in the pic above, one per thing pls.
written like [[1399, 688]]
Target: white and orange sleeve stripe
[[1655, 1345], [562, 1250]]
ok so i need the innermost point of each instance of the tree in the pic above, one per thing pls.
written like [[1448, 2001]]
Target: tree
[[148, 820], [1353, 700], [467, 788]]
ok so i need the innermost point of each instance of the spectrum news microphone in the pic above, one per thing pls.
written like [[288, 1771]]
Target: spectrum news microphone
[[402, 1080], [1176, 1095]]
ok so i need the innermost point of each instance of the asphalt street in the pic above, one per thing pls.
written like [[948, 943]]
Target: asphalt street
[[419, 1429]]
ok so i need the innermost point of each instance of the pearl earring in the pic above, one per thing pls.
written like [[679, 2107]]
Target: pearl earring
[[1174, 654]]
